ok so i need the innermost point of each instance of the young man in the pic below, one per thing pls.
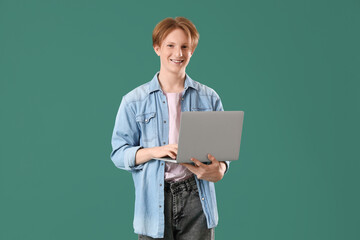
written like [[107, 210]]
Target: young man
[[172, 201]]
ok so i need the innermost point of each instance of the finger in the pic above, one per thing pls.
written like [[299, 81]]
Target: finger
[[192, 168], [212, 158], [173, 146], [174, 151], [172, 155], [197, 162]]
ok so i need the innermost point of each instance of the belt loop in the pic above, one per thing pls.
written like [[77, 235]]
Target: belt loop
[[175, 187]]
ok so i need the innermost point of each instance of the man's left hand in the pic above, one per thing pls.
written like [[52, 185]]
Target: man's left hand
[[212, 172]]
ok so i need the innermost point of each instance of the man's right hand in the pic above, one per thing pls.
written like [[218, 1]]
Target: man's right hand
[[164, 151], [144, 155]]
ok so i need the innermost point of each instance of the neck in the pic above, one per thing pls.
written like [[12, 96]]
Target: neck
[[171, 82]]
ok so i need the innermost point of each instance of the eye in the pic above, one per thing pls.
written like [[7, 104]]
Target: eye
[[170, 45], [184, 46]]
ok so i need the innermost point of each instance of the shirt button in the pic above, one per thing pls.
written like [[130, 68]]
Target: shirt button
[[203, 199], [146, 120], [182, 99], [164, 142], [163, 101], [159, 206], [160, 184], [165, 121], [162, 164]]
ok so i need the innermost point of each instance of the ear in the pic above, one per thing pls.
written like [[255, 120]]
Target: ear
[[191, 53], [157, 49]]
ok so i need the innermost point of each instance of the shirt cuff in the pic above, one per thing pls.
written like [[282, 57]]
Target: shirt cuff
[[130, 159], [227, 163]]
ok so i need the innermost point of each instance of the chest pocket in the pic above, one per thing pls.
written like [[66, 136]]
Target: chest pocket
[[147, 124]]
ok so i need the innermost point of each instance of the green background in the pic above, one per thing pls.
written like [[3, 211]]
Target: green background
[[292, 66]]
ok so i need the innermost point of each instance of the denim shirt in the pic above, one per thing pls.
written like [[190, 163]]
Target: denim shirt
[[142, 122]]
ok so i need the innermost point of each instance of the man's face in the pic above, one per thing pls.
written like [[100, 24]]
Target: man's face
[[175, 51]]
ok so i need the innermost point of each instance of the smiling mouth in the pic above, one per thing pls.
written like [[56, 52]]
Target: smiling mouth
[[176, 61]]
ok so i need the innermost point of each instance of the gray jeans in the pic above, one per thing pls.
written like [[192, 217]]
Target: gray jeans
[[184, 216]]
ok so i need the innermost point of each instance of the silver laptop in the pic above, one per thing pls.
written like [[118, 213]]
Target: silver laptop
[[217, 133]]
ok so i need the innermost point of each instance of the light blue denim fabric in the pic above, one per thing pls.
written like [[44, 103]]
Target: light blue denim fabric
[[142, 121]]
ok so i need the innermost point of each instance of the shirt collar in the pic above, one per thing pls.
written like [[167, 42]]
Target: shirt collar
[[155, 85]]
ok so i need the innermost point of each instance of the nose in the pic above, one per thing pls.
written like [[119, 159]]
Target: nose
[[179, 52]]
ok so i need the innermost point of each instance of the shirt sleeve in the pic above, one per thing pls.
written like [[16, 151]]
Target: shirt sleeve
[[125, 139], [219, 107]]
